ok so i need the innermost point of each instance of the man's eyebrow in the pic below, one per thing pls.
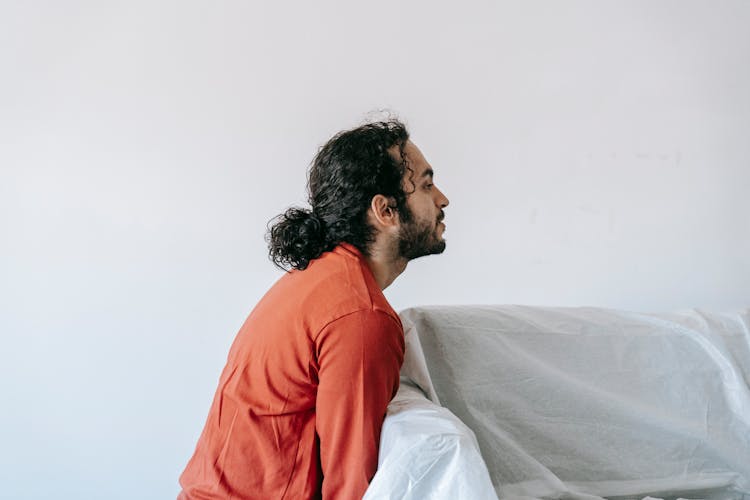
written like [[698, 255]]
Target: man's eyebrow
[[428, 173]]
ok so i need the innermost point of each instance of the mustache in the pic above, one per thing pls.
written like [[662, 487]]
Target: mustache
[[441, 216]]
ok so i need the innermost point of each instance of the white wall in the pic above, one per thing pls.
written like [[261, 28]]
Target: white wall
[[595, 153]]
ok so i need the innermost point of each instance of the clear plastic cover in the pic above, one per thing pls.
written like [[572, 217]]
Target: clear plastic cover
[[577, 402]]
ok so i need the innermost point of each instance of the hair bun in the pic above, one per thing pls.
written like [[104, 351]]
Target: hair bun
[[296, 237]]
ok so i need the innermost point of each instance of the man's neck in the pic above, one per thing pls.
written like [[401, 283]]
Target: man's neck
[[385, 266]]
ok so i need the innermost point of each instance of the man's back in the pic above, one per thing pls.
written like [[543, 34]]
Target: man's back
[[310, 372]]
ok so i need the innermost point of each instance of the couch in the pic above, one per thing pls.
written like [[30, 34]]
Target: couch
[[517, 402]]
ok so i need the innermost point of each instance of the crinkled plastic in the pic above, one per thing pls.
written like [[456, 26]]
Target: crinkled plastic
[[426, 452], [573, 403]]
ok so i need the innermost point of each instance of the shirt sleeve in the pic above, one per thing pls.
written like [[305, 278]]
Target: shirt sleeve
[[359, 358]]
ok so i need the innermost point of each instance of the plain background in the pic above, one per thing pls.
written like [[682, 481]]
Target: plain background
[[595, 153]]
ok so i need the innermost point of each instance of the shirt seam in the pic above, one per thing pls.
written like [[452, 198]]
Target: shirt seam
[[363, 309]]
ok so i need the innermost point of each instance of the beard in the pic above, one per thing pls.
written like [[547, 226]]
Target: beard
[[419, 238]]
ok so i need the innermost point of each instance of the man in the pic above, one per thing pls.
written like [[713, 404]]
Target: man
[[302, 398]]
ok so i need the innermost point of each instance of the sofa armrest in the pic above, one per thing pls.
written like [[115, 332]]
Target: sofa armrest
[[427, 452]]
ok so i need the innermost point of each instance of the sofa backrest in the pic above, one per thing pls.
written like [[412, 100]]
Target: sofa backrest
[[577, 401]]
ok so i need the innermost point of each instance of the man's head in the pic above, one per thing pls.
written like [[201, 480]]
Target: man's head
[[349, 171]]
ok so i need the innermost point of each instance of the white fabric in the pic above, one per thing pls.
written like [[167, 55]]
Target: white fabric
[[584, 402], [426, 452]]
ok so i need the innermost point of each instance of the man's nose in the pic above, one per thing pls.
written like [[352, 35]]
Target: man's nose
[[441, 201]]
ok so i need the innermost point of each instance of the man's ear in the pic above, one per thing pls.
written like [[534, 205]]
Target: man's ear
[[383, 211]]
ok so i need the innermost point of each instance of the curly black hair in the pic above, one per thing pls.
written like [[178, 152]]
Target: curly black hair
[[347, 172]]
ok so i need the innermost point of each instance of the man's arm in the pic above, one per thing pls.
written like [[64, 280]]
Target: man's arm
[[359, 357]]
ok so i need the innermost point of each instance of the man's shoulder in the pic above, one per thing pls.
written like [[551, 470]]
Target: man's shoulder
[[301, 304], [338, 282]]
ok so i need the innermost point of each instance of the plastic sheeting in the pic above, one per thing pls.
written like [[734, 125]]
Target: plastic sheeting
[[577, 403], [426, 452]]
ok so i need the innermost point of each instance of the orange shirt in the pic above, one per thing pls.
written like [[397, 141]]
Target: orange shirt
[[302, 398]]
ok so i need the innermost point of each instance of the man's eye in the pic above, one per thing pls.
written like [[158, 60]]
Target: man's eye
[[428, 186]]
